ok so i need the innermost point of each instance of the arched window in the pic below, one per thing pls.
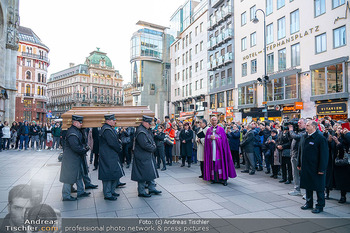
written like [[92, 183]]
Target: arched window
[[39, 78], [28, 75], [28, 89]]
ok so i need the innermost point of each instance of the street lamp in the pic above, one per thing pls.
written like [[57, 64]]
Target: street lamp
[[266, 78]]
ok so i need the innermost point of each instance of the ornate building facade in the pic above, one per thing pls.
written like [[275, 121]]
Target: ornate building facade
[[32, 64], [9, 23], [95, 83]]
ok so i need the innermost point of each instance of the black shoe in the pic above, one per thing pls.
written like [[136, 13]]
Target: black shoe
[[259, 169], [73, 190], [156, 192], [144, 195], [84, 194], [287, 182], [267, 172], [115, 194], [170, 164], [70, 198], [90, 162], [245, 171], [275, 177], [213, 182], [121, 184], [112, 198], [163, 169], [91, 186], [252, 173], [342, 200], [189, 165], [182, 165], [127, 166], [317, 210], [306, 207], [282, 181], [94, 169], [238, 166], [167, 163], [225, 183], [200, 176], [272, 176]]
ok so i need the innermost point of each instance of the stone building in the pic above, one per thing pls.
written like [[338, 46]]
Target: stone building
[[95, 83], [32, 64], [9, 23]]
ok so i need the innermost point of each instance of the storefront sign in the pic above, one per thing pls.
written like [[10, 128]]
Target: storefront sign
[[229, 111], [172, 116], [288, 108], [182, 114], [336, 108], [298, 105]]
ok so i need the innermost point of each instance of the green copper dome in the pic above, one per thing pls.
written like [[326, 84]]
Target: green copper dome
[[99, 58]]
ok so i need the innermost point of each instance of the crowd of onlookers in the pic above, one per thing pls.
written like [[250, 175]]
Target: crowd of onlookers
[[25, 135]]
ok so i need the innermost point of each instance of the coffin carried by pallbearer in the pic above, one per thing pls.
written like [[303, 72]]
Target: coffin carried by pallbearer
[[94, 116]]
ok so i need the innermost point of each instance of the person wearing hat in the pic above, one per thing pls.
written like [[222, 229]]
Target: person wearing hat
[[72, 168], [143, 168], [110, 169]]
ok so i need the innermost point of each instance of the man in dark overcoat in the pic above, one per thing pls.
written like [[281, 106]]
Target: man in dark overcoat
[[313, 160], [110, 169], [143, 168], [73, 166], [96, 150]]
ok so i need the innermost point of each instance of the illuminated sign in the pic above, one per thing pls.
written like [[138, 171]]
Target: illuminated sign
[[229, 111], [337, 108]]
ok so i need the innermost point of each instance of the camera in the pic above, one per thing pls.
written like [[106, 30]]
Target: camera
[[293, 122]]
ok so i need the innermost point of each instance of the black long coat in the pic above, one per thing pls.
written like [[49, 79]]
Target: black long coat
[[143, 167], [73, 155], [109, 164], [96, 139], [341, 174], [186, 148], [313, 159]]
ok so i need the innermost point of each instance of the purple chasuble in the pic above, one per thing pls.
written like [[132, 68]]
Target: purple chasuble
[[224, 166]]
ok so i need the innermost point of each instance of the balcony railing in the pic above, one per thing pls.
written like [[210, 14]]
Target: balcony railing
[[209, 46], [35, 56], [210, 67], [219, 16], [28, 95], [213, 64], [220, 61], [227, 11], [220, 39], [228, 34], [228, 57], [213, 42]]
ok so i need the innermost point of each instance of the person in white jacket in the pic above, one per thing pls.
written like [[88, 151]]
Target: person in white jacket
[[6, 132], [200, 143]]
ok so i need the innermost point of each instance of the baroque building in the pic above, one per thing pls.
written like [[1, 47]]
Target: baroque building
[[94, 83], [9, 23], [32, 64]]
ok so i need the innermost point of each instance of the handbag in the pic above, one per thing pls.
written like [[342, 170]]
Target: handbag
[[168, 140], [345, 161]]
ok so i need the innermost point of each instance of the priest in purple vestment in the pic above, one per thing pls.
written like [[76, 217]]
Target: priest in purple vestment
[[218, 163]]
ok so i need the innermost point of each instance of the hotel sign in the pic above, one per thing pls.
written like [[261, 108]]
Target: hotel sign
[[283, 42], [337, 108]]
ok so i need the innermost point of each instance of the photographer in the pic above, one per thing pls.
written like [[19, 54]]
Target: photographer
[[296, 136]]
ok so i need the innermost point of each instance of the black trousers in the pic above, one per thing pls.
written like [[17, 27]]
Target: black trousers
[[96, 160], [321, 202], [286, 165], [202, 167], [235, 157]]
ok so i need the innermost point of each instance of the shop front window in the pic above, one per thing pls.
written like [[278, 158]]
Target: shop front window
[[241, 96], [221, 100], [334, 78], [250, 94], [278, 89], [212, 101], [246, 94], [291, 87], [269, 91], [229, 97], [328, 80]]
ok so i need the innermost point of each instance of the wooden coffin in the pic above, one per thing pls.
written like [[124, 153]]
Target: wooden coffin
[[94, 116]]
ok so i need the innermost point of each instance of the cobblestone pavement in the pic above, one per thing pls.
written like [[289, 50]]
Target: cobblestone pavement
[[184, 194]]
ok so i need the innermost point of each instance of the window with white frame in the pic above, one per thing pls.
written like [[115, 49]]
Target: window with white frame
[[244, 43], [294, 21], [281, 28], [253, 39], [321, 43], [282, 59], [269, 7], [243, 18], [336, 3], [280, 3], [320, 7], [252, 12], [269, 33], [295, 50], [339, 37], [253, 66], [270, 63]]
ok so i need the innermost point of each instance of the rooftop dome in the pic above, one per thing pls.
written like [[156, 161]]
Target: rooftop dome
[[99, 58]]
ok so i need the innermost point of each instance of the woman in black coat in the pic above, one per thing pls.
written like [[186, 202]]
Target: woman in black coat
[[341, 173], [186, 137]]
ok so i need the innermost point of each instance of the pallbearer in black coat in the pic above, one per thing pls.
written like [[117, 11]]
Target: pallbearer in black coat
[[313, 162], [73, 163], [110, 169], [144, 168], [186, 137]]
